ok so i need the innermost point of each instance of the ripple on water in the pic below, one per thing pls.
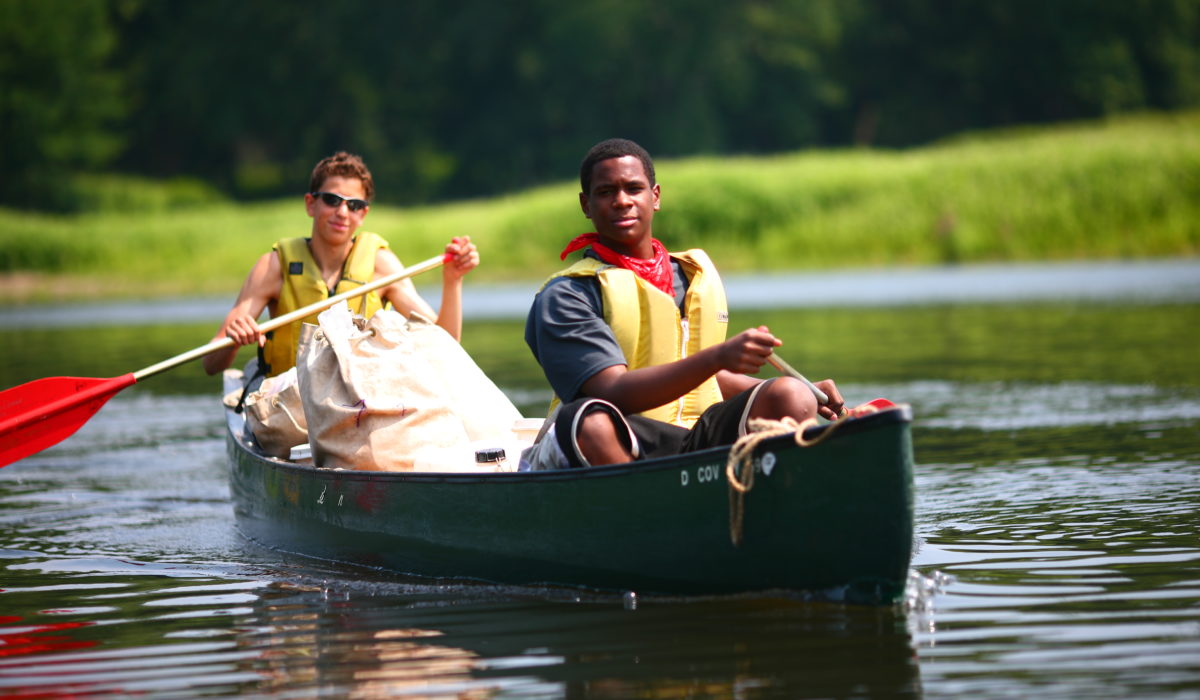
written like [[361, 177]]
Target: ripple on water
[[1069, 549]]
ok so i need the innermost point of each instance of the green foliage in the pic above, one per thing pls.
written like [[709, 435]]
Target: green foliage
[[1128, 188], [59, 100], [125, 194], [922, 69], [476, 98], [1123, 188]]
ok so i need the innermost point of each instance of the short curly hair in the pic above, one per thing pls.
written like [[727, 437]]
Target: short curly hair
[[342, 164], [613, 148]]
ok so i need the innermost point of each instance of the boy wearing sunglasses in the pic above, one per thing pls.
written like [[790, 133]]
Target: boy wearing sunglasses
[[332, 260]]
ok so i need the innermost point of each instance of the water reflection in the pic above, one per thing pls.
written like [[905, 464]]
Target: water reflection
[[350, 641], [347, 643]]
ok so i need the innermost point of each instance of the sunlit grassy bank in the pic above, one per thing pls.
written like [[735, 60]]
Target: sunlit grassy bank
[[1120, 189]]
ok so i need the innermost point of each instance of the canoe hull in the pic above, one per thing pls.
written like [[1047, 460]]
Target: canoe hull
[[836, 516]]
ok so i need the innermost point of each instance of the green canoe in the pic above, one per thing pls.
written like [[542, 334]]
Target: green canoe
[[835, 518]]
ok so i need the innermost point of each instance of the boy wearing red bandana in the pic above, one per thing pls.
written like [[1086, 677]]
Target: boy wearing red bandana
[[632, 338]]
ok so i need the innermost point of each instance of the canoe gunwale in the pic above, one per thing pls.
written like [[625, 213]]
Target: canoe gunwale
[[900, 413]]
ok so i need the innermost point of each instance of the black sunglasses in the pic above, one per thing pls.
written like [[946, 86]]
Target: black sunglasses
[[335, 200]]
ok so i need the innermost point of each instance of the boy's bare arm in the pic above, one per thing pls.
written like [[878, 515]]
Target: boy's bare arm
[[404, 296], [262, 287], [634, 391]]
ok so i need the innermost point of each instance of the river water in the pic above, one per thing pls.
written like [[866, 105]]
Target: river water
[[1057, 436]]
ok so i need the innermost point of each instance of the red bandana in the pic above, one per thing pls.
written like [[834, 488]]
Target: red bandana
[[657, 270]]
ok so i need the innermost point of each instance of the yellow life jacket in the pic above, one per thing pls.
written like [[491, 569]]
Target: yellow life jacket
[[303, 285], [651, 331]]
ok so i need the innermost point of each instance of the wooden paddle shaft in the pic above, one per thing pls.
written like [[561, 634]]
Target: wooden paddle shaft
[[790, 371], [292, 316]]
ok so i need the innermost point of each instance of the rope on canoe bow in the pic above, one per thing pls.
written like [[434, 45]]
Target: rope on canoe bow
[[739, 469]]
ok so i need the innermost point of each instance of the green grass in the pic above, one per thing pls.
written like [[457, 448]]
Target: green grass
[[1123, 188]]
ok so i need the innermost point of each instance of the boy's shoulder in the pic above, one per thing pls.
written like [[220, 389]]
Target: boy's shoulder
[[569, 292]]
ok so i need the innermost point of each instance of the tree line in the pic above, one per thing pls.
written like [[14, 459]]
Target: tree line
[[476, 97]]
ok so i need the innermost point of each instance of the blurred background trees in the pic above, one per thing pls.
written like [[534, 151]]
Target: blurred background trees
[[474, 97]]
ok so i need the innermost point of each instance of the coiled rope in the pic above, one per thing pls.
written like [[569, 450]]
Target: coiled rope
[[739, 468]]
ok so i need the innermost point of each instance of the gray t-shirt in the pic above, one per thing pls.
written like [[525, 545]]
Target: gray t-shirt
[[567, 333]]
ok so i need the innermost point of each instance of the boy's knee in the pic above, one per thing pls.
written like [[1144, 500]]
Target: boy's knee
[[597, 426], [593, 432], [603, 438], [785, 396]]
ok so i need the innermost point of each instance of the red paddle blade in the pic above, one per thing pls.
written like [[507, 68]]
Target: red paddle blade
[[42, 413]]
